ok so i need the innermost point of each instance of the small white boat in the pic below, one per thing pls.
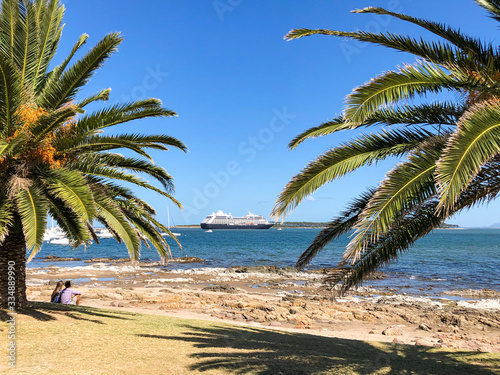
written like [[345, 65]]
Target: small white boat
[[164, 234], [103, 233], [53, 233], [208, 231], [59, 241]]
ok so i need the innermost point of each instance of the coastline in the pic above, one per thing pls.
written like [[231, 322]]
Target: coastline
[[283, 299]]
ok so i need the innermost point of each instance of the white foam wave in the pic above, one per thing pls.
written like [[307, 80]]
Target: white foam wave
[[230, 273], [483, 304]]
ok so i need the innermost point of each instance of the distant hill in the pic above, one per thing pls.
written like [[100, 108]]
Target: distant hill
[[496, 225], [300, 224], [448, 226]]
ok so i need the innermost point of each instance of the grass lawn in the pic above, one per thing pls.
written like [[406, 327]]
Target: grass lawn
[[56, 339]]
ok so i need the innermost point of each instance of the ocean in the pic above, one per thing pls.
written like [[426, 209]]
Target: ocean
[[442, 261]]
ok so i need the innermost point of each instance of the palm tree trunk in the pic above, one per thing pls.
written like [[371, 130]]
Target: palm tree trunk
[[13, 269]]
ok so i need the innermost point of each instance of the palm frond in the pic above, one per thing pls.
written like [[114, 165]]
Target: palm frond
[[152, 235], [342, 224], [103, 95], [111, 214], [148, 227], [134, 142], [64, 90], [68, 220], [325, 128], [112, 173], [436, 52], [71, 187], [3, 146], [476, 141], [9, 16], [455, 167], [337, 162], [50, 30], [6, 217], [395, 86], [458, 39], [492, 6], [299, 33], [26, 44], [94, 164], [10, 97], [32, 208], [100, 143], [409, 184], [49, 123], [118, 114], [439, 113], [55, 75], [416, 223]]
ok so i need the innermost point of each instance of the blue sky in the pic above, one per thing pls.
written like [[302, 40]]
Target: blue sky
[[242, 92]]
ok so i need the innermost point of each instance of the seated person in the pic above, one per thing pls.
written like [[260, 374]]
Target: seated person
[[56, 294], [68, 293]]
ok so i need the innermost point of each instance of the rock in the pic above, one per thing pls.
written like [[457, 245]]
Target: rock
[[392, 331], [221, 288], [483, 293], [410, 318], [376, 276], [187, 260], [263, 269], [489, 322], [53, 258], [424, 327], [120, 304], [267, 308], [107, 260], [374, 332], [398, 341], [424, 342], [275, 324], [302, 321]]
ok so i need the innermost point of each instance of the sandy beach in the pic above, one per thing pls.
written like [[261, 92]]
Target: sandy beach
[[283, 299]]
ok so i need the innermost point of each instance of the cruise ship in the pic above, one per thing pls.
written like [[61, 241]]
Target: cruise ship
[[221, 220]]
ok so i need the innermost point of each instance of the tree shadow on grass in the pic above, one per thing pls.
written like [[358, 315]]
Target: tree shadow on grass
[[45, 311], [240, 350]]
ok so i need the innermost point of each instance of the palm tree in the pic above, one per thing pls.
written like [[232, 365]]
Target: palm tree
[[56, 159], [450, 150]]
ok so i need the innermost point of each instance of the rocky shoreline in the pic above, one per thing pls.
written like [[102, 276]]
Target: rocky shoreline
[[283, 299]]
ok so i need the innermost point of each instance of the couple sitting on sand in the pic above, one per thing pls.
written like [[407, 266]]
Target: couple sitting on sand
[[65, 295]]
